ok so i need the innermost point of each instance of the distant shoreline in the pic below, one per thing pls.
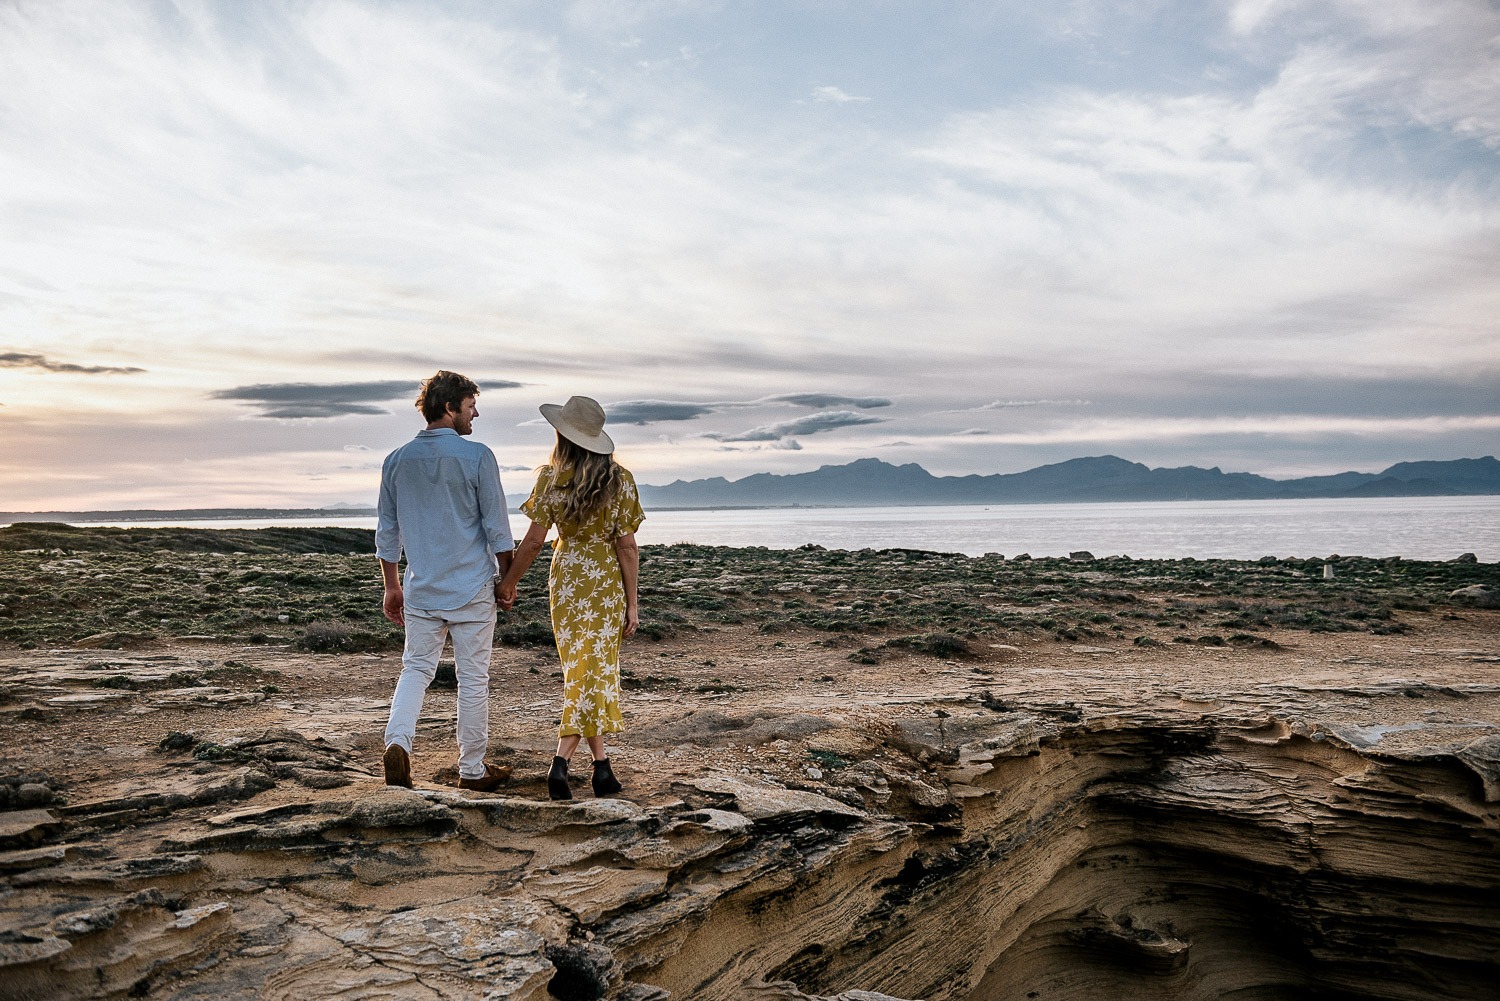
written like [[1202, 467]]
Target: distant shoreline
[[147, 516]]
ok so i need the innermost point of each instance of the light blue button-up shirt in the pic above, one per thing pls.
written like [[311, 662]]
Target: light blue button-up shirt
[[441, 501]]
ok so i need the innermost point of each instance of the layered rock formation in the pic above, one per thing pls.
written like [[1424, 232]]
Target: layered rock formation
[[1315, 817]]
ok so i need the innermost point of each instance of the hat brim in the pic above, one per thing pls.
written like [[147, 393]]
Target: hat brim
[[601, 442]]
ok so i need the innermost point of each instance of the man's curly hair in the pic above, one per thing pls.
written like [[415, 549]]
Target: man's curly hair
[[444, 391]]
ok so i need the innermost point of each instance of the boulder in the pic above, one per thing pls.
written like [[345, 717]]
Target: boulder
[[1478, 595]]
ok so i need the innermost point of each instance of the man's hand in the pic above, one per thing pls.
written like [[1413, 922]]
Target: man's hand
[[632, 619], [505, 596], [393, 605]]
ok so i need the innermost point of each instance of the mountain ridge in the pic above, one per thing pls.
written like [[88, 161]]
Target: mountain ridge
[[870, 482], [874, 482]]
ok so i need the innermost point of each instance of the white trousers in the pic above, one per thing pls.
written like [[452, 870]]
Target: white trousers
[[473, 630]]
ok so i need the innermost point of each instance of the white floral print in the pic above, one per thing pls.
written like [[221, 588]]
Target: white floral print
[[588, 600]]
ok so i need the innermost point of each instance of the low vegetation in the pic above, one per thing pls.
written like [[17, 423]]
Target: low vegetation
[[320, 589]]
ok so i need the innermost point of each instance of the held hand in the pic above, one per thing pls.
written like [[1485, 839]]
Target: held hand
[[393, 606], [505, 596], [632, 619]]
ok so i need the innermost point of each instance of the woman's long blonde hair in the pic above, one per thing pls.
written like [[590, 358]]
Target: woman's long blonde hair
[[595, 482]]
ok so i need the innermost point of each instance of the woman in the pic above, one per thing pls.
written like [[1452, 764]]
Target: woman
[[593, 501]]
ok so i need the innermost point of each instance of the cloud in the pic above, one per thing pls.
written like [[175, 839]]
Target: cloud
[[819, 423], [822, 401], [22, 359], [311, 400], [834, 95], [1006, 404], [356, 448], [654, 411], [314, 411], [1287, 427], [784, 445], [308, 400], [651, 411]]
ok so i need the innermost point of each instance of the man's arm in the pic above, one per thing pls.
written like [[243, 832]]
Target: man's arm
[[494, 517], [388, 547], [393, 604]]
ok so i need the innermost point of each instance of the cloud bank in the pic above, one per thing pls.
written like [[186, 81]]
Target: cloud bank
[[309, 400], [22, 359], [656, 411], [1244, 233]]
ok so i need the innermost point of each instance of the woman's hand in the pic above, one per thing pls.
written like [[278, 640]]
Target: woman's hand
[[632, 619], [505, 595]]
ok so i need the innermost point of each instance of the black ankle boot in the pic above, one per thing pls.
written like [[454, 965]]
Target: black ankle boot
[[605, 783], [557, 780]]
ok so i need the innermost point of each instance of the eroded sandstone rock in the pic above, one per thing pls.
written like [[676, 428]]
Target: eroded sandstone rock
[[1187, 842]]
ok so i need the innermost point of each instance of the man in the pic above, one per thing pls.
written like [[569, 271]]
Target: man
[[442, 503]]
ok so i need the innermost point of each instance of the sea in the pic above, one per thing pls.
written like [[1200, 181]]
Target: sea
[[1419, 528]]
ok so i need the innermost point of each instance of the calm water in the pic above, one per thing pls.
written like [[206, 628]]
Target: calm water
[[1428, 528]]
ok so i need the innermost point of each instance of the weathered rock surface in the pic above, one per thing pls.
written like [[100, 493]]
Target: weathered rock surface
[[1478, 595], [1084, 828]]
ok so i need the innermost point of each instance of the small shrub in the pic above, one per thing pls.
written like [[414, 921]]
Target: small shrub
[[827, 760], [933, 644], [177, 741], [335, 637]]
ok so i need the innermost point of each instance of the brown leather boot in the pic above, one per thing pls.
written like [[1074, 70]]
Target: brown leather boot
[[494, 776], [397, 766]]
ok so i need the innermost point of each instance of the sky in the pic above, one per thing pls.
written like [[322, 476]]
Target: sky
[[767, 236]]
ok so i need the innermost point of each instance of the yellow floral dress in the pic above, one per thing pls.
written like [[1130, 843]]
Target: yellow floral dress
[[588, 599]]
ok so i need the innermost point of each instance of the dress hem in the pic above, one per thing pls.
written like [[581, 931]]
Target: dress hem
[[561, 732]]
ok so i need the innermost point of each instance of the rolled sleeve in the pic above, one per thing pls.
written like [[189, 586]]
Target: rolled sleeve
[[493, 514], [387, 528]]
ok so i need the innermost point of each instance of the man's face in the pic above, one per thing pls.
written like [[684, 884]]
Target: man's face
[[463, 417]]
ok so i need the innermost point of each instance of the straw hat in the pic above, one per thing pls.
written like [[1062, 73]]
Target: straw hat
[[581, 421]]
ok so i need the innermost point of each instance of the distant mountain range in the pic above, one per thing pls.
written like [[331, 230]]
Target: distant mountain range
[[869, 482], [1099, 478]]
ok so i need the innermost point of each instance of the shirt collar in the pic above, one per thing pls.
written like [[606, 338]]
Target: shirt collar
[[435, 431]]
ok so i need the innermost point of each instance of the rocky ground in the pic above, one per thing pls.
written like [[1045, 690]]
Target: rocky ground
[[913, 774]]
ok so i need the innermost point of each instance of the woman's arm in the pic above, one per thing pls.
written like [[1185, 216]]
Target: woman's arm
[[629, 555], [526, 552]]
